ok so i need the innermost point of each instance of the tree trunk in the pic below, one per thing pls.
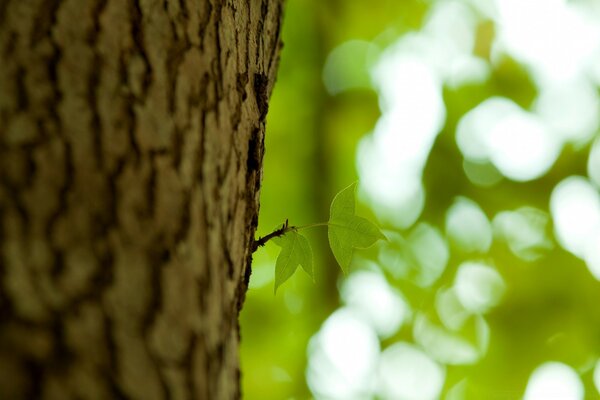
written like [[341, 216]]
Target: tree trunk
[[131, 142]]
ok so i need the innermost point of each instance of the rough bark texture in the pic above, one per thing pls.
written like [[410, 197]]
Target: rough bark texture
[[131, 142]]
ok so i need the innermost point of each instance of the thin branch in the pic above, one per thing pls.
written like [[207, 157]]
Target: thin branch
[[276, 233], [285, 228]]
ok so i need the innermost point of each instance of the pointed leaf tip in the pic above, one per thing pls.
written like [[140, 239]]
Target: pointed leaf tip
[[346, 231], [344, 202], [295, 250]]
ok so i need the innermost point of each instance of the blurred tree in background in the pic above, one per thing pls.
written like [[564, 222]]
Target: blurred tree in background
[[473, 129]]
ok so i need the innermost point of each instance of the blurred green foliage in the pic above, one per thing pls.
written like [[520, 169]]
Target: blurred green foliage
[[542, 303]]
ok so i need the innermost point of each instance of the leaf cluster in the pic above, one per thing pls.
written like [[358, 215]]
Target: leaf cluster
[[345, 230]]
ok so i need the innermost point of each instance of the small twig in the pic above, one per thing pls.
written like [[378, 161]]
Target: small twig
[[276, 233]]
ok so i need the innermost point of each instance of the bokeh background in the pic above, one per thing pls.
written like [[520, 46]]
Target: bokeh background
[[472, 127]]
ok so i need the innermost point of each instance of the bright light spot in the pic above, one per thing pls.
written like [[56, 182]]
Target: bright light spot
[[395, 256], [421, 258], [597, 376], [556, 39], [521, 147], [570, 110], [406, 373], [410, 89], [342, 358], [554, 380], [517, 142], [449, 347], [575, 208], [441, 24], [524, 230], [451, 312], [486, 8], [594, 69], [592, 254], [473, 127], [478, 287], [593, 165], [391, 161], [450, 44], [468, 70], [431, 253], [396, 195], [369, 293], [346, 66], [468, 227]]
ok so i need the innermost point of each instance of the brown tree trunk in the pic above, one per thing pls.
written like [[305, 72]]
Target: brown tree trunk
[[131, 142]]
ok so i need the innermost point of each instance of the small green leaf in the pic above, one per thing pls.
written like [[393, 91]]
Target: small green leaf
[[295, 250], [346, 231]]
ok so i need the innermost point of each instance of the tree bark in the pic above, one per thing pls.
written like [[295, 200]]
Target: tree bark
[[131, 143]]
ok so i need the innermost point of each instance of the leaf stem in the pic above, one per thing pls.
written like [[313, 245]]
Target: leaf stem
[[297, 228]]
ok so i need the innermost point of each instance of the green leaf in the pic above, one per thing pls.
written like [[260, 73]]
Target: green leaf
[[295, 250], [346, 231]]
